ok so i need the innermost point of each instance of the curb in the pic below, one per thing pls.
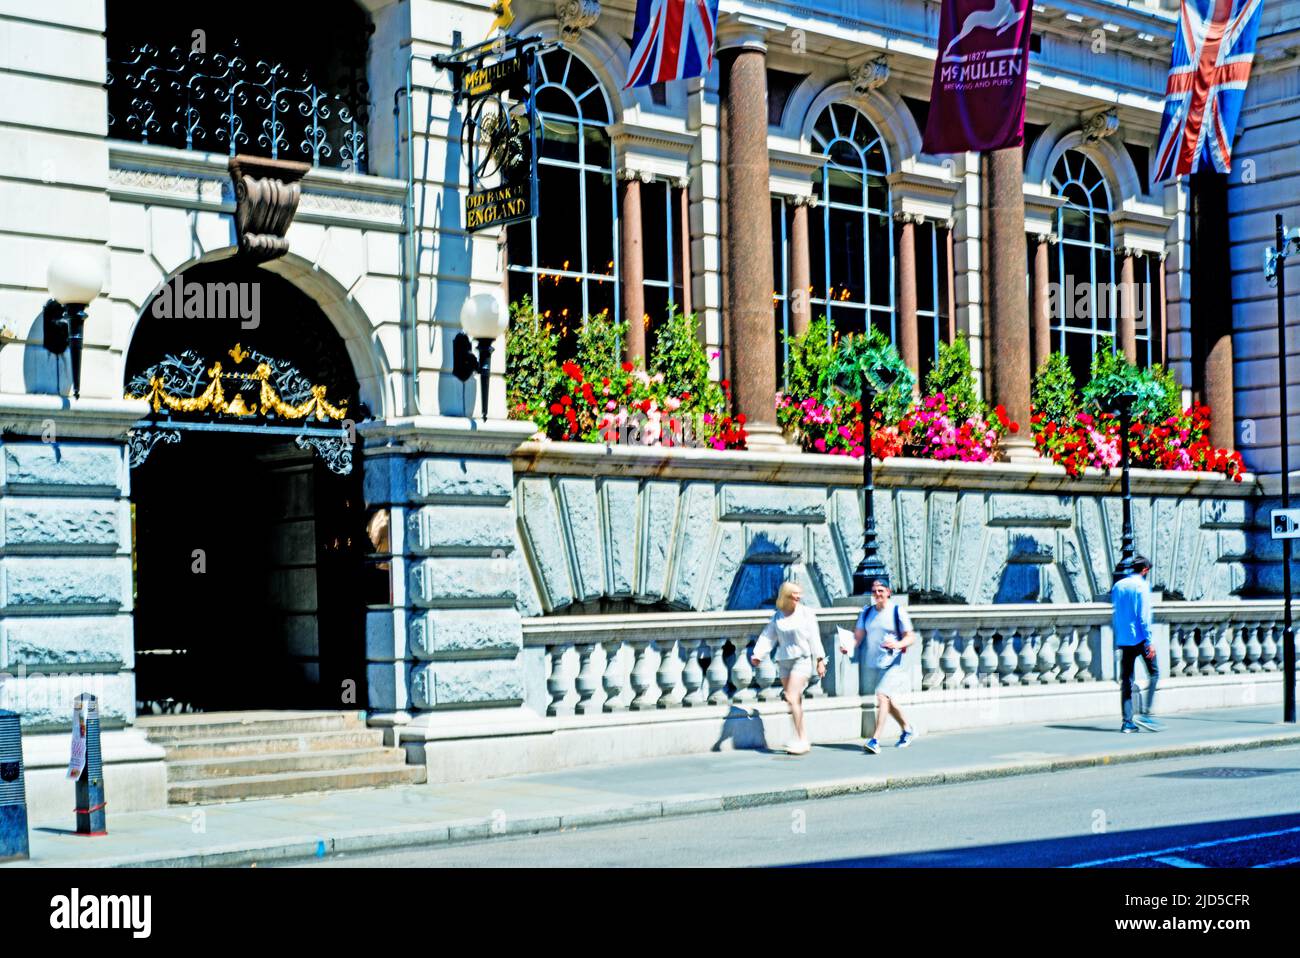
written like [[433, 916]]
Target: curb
[[305, 848]]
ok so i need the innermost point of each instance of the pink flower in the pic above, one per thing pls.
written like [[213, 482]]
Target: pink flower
[[820, 445]]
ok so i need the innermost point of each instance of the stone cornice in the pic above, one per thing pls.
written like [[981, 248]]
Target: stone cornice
[[551, 458], [443, 434], [164, 176], [86, 418]]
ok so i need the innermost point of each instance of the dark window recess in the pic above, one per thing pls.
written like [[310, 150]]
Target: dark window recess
[[659, 93], [920, 110], [1141, 157], [1035, 43], [1032, 132], [780, 85]]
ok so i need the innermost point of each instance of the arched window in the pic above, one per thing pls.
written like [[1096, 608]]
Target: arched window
[[1084, 304], [565, 258], [851, 233]]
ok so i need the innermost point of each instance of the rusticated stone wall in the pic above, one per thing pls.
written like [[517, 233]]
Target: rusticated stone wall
[[704, 544], [65, 580]]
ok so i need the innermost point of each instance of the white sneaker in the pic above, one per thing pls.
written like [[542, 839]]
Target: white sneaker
[[799, 747]]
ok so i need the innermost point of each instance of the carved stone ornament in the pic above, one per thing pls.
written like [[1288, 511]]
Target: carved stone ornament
[[576, 16], [1101, 125], [869, 76], [266, 198]]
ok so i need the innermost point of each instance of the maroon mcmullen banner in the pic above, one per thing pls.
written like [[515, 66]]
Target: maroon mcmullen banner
[[977, 101]]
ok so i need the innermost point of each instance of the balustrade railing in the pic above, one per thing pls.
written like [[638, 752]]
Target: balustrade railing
[[604, 664]]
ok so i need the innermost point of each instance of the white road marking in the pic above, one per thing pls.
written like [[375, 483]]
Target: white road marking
[[1282, 864], [1178, 862], [1183, 848]]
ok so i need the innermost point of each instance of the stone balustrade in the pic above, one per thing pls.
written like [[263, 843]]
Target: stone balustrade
[[602, 664]]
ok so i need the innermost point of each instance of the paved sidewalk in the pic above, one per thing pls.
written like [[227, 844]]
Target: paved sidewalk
[[243, 833]]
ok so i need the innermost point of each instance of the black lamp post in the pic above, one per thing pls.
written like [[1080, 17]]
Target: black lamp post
[[870, 383], [1275, 272], [483, 319], [1122, 403], [74, 280]]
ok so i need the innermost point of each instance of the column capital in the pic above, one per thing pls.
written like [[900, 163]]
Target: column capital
[[626, 174], [746, 31], [1050, 238], [809, 201], [682, 182], [916, 219], [1131, 251]]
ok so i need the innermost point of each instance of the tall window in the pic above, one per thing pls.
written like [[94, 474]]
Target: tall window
[[661, 230], [932, 306], [851, 232], [781, 216], [1085, 305], [566, 257]]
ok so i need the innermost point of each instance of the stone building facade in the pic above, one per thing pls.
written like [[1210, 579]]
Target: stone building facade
[[683, 190]]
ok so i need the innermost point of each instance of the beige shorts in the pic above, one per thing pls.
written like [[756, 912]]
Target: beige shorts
[[802, 667]]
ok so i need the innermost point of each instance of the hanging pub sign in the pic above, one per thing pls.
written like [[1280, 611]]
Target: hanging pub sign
[[500, 138]]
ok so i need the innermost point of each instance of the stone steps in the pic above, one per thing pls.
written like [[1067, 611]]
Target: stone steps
[[225, 756], [291, 783], [194, 770]]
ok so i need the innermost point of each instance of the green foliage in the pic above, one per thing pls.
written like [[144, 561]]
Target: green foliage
[[1158, 392], [531, 369], [1055, 393], [954, 377], [680, 356], [856, 356], [600, 347], [810, 355]]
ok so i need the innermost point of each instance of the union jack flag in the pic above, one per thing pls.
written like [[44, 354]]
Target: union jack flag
[[1207, 83], [671, 40]]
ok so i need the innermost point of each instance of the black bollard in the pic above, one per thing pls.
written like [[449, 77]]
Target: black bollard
[[90, 783], [13, 793]]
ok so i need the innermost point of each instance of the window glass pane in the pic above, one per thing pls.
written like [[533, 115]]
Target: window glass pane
[[655, 220], [600, 224], [1078, 349], [779, 316], [596, 144], [1074, 225], [1107, 300], [560, 231], [656, 308], [880, 256], [553, 100], [923, 238], [519, 285], [600, 297], [847, 256], [519, 244], [846, 186], [878, 194], [843, 153], [559, 140], [847, 319], [779, 269], [560, 304]]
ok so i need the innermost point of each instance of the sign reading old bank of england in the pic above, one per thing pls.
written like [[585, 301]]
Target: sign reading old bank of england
[[500, 132]]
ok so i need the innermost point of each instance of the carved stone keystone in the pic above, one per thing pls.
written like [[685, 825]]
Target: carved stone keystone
[[266, 198], [869, 76], [576, 16]]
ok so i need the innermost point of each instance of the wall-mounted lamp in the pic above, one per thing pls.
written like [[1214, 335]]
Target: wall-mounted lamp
[[74, 280], [483, 318]]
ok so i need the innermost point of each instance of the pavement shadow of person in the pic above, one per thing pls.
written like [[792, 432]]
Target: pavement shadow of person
[[742, 728]]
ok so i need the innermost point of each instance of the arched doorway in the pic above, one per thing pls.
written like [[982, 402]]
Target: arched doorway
[[249, 522]]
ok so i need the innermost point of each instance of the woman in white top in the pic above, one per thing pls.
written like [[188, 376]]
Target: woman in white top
[[793, 631]]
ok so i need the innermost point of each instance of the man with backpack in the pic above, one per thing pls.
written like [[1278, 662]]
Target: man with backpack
[[888, 631]]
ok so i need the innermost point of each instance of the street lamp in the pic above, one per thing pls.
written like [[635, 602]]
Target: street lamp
[[1122, 403], [1275, 272], [867, 384], [483, 318], [74, 279]]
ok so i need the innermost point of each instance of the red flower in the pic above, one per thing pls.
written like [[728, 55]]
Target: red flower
[[572, 370], [566, 400], [556, 408], [627, 367]]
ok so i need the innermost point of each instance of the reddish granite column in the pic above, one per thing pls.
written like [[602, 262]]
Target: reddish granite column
[[1218, 390], [631, 265], [1127, 307], [909, 346], [1042, 302], [800, 268], [1008, 300], [684, 243], [749, 244]]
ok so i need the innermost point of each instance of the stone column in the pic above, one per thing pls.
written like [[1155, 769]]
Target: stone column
[[909, 346], [683, 187], [1042, 302], [631, 265], [1008, 313], [951, 280], [800, 267], [749, 282], [1164, 314], [1127, 306], [1219, 394]]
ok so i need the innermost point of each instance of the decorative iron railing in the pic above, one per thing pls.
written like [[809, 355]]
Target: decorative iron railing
[[223, 103]]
